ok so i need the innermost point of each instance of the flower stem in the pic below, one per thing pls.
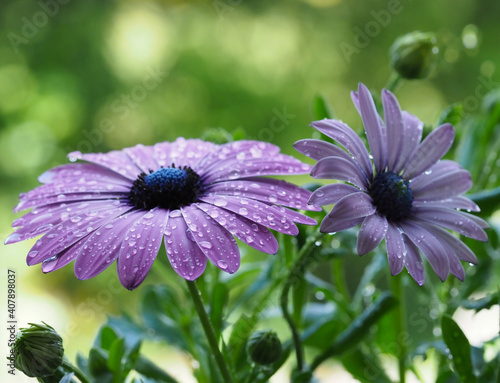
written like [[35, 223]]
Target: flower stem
[[400, 321], [393, 83], [209, 331], [297, 271], [78, 373]]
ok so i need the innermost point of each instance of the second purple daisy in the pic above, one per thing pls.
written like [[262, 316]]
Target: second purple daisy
[[408, 195]]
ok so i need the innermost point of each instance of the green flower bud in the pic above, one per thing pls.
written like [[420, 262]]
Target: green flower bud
[[217, 136], [38, 350], [413, 55], [264, 347]]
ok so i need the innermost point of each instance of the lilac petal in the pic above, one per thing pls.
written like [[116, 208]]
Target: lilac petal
[[348, 212], [456, 267], [82, 173], [251, 233], [67, 233], [43, 219], [444, 186], [348, 138], [183, 252], [340, 169], [395, 127], [139, 251], [413, 262], [371, 233], [255, 211], [115, 160], [355, 101], [69, 199], [430, 247], [143, 157], [334, 225], [375, 131], [457, 247], [330, 194], [439, 169], [459, 202], [432, 148], [63, 258], [162, 153], [318, 149], [396, 250], [215, 241], [293, 216], [103, 246], [267, 165], [266, 189], [188, 152], [413, 134], [453, 220]]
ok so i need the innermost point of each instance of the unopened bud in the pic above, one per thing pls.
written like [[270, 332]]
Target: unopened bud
[[413, 55], [264, 347]]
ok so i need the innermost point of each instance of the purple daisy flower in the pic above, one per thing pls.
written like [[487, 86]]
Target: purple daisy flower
[[194, 194], [409, 196]]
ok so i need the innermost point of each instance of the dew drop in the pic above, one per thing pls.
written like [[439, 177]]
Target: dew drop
[[222, 264]]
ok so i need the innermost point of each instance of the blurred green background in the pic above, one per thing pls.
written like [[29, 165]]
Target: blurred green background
[[99, 75]]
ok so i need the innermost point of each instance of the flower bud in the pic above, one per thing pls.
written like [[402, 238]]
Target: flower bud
[[264, 347], [38, 350], [413, 55]]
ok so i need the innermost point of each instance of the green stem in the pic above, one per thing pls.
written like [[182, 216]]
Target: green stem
[[400, 321], [78, 373], [393, 83], [297, 271], [209, 331]]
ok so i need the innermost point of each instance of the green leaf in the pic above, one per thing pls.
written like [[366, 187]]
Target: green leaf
[[488, 201], [322, 108], [82, 363], [299, 297], [452, 115], [150, 370], [364, 367], [481, 304], [460, 349], [106, 337], [220, 297], [98, 366], [116, 352]]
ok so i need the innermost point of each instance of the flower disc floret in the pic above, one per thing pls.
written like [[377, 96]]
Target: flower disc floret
[[392, 196]]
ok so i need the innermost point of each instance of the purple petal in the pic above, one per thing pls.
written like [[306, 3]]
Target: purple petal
[[67, 233], [183, 252], [453, 220], [459, 202], [82, 173], [441, 187], [63, 258], [42, 219], [255, 211], [340, 169], [396, 250], [293, 216], [430, 151], [143, 157], [413, 134], [115, 160], [371, 233], [70, 199], [348, 212], [413, 262], [395, 128], [215, 241], [251, 233], [267, 190], [103, 246], [430, 247], [139, 251], [318, 149], [346, 137], [182, 152], [375, 131], [330, 194]]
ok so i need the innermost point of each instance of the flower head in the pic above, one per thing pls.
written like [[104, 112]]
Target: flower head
[[408, 196], [38, 350], [195, 195]]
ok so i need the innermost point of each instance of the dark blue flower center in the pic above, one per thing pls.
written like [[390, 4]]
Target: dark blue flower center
[[392, 196], [169, 188]]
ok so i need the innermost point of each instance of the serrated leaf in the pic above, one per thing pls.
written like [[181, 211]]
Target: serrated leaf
[[460, 349]]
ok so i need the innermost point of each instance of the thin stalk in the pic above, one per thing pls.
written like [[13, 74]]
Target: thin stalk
[[400, 321], [78, 373], [209, 331], [297, 271], [393, 83]]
